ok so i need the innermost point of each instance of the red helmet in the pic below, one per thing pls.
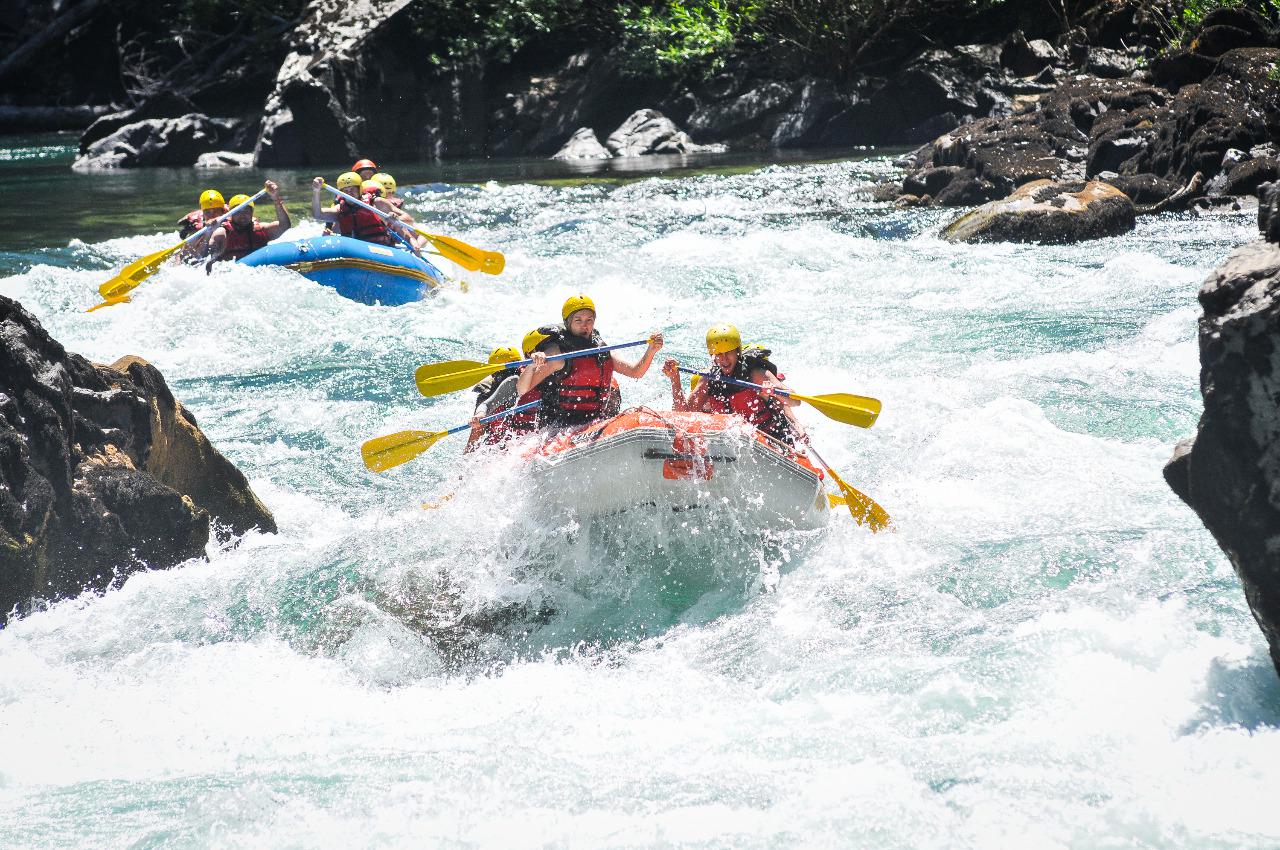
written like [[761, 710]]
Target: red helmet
[[362, 164]]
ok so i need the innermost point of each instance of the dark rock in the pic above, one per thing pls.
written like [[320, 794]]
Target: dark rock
[[648, 131], [1269, 211], [938, 89], [1247, 176], [1230, 472], [1113, 64], [157, 141], [1049, 212], [1217, 40], [739, 114], [355, 83], [1180, 67], [583, 144], [102, 471], [1237, 107], [966, 191], [165, 104], [1142, 189], [931, 181], [1026, 58], [809, 114]]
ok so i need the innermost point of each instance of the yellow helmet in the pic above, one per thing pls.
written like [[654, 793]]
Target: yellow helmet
[[722, 338], [534, 338], [237, 200], [211, 199], [576, 303], [503, 354], [347, 180], [371, 186], [388, 182]]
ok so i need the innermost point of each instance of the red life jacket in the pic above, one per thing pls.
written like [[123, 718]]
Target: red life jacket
[[359, 223], [196, 220], [577, 393], [242, 243], [764, 413], [516, 425]]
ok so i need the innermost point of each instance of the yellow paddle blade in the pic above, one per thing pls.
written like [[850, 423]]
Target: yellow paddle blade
[[471, 258], [843, 407], [123, 299], [862, 507], [135, 273], [383, 453], [439, 378], [835, 501]]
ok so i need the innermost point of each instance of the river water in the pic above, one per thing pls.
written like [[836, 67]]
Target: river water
[[1048, 652]]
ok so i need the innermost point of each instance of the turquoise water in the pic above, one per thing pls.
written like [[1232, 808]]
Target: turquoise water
[[1049, 652]]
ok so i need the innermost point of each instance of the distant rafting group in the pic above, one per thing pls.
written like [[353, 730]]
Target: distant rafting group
[[559, 387]]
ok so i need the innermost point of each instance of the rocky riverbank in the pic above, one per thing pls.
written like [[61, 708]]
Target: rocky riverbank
[[102, 471], [1229, 472], [1118, 96]]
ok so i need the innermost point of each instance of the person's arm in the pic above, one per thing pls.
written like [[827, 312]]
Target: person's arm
[[770, 383], [215, 248], [537, 371], [672, 370], [318, 213], [282, 222], [637, 370]]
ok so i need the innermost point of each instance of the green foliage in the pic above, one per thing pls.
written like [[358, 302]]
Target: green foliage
[[495, 30], [688, 36], [1180, 19]]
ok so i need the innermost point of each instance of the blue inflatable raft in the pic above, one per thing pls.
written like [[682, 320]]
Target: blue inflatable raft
[[361, 271]]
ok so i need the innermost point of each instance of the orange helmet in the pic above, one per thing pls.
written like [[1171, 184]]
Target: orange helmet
[[362, 164]]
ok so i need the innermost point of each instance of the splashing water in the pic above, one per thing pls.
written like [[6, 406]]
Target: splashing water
[[1049, 652]]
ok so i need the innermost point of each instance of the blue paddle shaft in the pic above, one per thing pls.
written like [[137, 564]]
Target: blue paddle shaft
[[572, 354], [494, 417], [734, 381]]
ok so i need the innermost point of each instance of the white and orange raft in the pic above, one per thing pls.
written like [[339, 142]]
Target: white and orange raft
[[682, 462]]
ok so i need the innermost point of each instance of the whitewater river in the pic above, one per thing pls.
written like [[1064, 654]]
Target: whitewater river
[[1049, 652]]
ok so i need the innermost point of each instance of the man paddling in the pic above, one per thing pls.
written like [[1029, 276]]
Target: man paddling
[[211, 206], [242, 234], [577, 391], [768, 412]]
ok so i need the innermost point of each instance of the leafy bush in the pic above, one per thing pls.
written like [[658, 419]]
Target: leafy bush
[[688, 37]]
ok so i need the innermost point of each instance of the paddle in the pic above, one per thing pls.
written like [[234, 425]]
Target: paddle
[[469, 257], [115, 290], [439, 378], [862, 507], [383, 453], [842, 407]]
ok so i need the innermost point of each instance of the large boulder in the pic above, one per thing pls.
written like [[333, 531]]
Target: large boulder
[[102, 471], [1229, 472], [648, 131], [583, 144], [158, 141], [1045, 211], [354, 83]]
